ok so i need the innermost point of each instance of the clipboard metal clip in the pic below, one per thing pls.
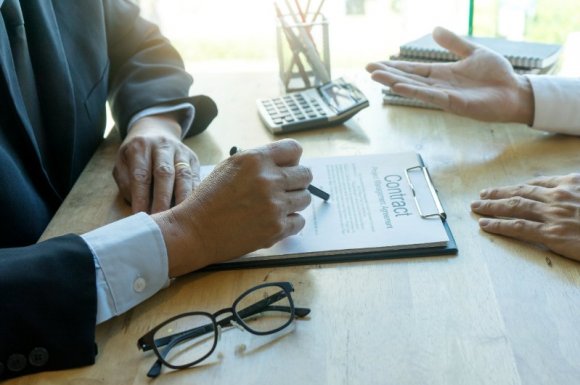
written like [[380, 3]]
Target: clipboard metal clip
[[440, 212]]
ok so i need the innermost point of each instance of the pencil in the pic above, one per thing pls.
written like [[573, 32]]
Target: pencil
[[312, 189], [300, 12], [317, 11], [295, 48]]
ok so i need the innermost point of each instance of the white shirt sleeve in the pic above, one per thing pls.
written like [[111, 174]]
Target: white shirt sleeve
[[187, 109], [557, 103], [131, 263]]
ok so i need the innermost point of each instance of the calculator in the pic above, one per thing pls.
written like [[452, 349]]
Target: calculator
[[327, 105]]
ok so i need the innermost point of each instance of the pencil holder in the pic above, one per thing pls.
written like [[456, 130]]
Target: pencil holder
[[303, 52]]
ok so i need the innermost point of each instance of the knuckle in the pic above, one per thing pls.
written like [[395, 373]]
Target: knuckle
[[514, 202], [251, 159], [285, 176], [163, 170], [518, 224], [307, 174], [184, 172], [141, 175], [554, 228], [135, 145], [290, 202], [562, 211], [554, 231], [163, 141], [491, 192], [561, 194]]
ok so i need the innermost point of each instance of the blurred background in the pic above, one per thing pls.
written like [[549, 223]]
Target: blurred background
[[222, 35]]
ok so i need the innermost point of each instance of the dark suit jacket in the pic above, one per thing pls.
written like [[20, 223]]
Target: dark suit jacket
[[83, 52]]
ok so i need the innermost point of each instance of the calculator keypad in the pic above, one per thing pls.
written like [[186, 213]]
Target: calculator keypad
[[293, 108]]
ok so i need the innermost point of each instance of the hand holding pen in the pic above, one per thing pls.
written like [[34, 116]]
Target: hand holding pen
[[312, 189], [248, 202]]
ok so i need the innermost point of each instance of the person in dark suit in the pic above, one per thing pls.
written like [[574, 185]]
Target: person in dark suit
[[60, 61]]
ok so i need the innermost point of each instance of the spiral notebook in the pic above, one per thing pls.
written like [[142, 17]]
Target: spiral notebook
[[518, 70], [521, 54]]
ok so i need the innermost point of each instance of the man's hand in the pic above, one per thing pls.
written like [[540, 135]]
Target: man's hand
[[482, 86], [250, 201], [153, 167], [544, 210]]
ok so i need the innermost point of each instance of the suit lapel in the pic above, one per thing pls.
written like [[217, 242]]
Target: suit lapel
[[7, 64], [55, 88]]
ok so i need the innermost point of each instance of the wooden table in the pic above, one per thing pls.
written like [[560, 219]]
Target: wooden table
[[499, 312]]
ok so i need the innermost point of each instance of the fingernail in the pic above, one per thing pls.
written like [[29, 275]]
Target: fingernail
[[483, 193], [475, 205], [483, 222]]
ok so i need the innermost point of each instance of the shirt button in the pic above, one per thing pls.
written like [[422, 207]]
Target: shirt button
[[139, 284], [16, 362], [38, 357]]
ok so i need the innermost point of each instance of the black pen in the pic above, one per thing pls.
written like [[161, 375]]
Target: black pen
[[313, 189]]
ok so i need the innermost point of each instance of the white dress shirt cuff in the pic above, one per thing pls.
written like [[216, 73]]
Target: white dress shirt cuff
[[187, 114], [131, 263], [557, 101]]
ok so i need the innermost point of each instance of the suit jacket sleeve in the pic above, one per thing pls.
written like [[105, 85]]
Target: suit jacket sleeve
[[47, 307], [145, 70]]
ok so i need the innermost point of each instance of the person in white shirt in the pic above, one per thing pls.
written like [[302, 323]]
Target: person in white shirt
[[483, 86]]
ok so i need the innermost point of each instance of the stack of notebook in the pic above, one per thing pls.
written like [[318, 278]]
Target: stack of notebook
[[525, 57]]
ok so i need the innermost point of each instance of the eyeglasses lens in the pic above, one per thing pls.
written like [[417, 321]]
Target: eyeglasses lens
[[186, 339], [265, 309]]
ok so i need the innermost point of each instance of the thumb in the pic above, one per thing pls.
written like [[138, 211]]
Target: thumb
[[453, 43]]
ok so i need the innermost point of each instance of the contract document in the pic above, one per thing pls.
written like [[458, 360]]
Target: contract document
[[380, 206]]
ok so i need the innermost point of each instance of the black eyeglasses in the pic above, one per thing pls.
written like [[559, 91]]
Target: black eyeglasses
[[189, 338]]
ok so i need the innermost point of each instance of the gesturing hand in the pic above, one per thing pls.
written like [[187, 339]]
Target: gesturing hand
[[153, 167], [483, 85], [250, 201], [544, 210]]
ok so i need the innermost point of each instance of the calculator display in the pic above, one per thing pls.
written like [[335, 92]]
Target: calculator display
[[338, 96]]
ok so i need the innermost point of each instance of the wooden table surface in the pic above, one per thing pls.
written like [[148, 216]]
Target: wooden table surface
[[499, 312]]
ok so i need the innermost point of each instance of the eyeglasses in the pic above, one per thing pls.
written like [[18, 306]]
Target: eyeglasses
[[189, 338]]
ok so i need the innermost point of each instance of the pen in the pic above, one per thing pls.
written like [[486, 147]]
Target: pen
[[312, 189]]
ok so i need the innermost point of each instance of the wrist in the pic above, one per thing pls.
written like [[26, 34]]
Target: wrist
[[183, 243], [525, 101], [163, 124]]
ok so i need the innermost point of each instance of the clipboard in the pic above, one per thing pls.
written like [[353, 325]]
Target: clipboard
[[427, 207]]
